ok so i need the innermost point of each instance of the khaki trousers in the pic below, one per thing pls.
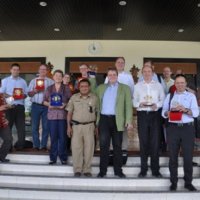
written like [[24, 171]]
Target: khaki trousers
[[82, 145]]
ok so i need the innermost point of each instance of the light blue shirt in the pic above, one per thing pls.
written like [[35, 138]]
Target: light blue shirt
[[186, 99], [109, 99], [39, 97], [9, 83]]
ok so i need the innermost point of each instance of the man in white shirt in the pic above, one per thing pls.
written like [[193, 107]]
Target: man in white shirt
[[181, 109], [168, 81], [148, 98], [127, 79]]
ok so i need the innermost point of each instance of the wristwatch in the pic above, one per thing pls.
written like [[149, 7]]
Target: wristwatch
[[187, 110]]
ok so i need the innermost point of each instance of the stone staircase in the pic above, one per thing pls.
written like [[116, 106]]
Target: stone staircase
[[30, 177]]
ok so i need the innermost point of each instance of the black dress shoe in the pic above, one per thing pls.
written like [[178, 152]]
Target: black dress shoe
[[77, 174], [87, 174], [190, 187], [121, 175], [44, 149], [194, 164], [52, 162], [100, 175], [63, 162], [4, 160], [173, 187], [36, 149], [142, 174], [157, 175]]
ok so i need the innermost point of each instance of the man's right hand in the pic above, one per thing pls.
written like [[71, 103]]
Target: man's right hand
[[4, 107], [69, 131], [33, 92]]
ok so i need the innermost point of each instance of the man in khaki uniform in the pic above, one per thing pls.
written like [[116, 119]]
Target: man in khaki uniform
[[82, 111]]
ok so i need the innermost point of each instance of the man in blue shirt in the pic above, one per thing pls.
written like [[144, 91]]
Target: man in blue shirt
[[181, 109], [16, 87], [38, 110], [115, 115]]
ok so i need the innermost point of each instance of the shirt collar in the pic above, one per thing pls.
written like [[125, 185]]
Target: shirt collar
[[87, 95], [122, 72], [113, 85], [14, 78], [185, 92], [151, 82]]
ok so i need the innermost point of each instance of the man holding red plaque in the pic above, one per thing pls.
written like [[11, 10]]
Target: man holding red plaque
[[40, 85], [180, 108], [36, 91], [16, 87]]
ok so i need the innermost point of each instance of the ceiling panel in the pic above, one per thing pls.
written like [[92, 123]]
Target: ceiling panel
[[98, 19]]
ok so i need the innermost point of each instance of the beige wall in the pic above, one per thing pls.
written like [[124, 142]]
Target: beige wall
[[133, 51]]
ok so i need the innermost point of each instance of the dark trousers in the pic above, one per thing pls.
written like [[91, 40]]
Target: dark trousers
[[108, 130], [5, 134], [58, 137], [163, 144], [149, 137], [180, 137], [16, 116]]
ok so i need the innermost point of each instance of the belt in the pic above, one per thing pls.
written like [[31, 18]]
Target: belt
[[39, 104], [107, 115], [181, 124], [18, 105], [74, 122], [147, 111]]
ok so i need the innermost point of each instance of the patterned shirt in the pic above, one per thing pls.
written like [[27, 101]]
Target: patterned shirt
[[64, 91], [3, 120]]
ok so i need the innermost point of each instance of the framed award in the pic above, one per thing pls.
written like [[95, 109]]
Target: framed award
[[40, 84], [56, 99]]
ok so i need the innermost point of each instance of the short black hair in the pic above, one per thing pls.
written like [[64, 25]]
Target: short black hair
[[15, 65], [112, 69], [180, 75], [85, 80]]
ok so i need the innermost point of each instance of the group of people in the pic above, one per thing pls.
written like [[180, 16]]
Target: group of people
[[84, 110]]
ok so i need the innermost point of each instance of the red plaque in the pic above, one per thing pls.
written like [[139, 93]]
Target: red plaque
[[39, 84], [18, 93], [175, 116]]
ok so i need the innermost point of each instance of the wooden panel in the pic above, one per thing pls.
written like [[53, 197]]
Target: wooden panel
[[102, 66], [188, 68], [25, 67]]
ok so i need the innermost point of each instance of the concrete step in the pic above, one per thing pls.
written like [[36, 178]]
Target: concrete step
[[32, 194], [67, 170], [44, 159], [30, 177], [91, 184]]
